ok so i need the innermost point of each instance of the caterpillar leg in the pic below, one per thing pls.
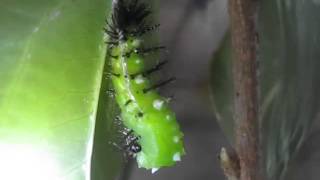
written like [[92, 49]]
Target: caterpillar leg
[[129, 145]]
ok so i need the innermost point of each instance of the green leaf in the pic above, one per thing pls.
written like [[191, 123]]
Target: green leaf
[[290, 78], [51, 67], [222, 87]]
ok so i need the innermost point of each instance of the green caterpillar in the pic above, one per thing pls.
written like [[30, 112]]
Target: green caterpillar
[[143, 110]]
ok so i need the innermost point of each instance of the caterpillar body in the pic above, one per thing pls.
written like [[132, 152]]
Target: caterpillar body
[[143, 110]]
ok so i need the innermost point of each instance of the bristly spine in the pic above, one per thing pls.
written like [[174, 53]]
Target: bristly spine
[[128, 19]]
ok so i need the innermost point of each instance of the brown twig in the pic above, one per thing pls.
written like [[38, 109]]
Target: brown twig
[[243, 18], [229, 163]]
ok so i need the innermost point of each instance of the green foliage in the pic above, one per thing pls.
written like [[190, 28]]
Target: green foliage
[[222, 87], [290, 79], [52, 57]]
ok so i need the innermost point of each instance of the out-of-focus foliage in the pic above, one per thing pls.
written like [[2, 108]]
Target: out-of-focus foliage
[[222, 87], [289, 80], [51, 66]]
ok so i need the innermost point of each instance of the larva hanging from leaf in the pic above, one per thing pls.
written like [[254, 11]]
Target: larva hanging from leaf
[[143, 110]]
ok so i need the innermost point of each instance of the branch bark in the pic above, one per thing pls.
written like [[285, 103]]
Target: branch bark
[[229, 163], [243, 18]]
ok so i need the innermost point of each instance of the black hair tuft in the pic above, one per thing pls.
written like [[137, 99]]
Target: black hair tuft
[[128, 19]]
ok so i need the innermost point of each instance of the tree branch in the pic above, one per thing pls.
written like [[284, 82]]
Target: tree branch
[[229, 163], [242, 17]]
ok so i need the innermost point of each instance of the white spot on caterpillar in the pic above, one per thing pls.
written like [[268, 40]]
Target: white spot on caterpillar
[[176, 139], [139, 79], [138, 61], [168, 117], [157, 104], [153, 170], [136, 43], [176, 157]]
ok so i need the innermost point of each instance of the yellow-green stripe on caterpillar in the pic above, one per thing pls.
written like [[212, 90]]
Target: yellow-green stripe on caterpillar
[[143, 110]]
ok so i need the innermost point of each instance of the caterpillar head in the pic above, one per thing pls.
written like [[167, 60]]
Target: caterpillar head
[[128, 19]]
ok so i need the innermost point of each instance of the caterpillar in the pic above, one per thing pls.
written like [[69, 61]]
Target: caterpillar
[[158, 141]]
